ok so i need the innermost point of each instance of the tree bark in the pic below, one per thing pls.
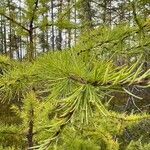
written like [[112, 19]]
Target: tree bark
[[30, 131], [87, 14], [52, 28], [59, 36]]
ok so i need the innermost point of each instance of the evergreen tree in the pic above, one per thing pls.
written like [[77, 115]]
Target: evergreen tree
[[89, 96]]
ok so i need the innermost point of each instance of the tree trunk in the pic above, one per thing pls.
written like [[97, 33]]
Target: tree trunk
[[87, 14], [52, 29], [69, 30], [30, 131], [59, 36], [31, 45]]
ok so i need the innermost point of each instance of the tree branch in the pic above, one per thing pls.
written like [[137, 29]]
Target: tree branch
[[15, 22], [33, 15], [143, 82]]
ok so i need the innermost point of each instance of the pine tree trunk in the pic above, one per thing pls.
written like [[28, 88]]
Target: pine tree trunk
[[30, 131], [69, 30], [87, 14], [59, 36], [31, 45], [52, 29]]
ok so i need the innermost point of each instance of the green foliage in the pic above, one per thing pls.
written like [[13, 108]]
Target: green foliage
[[121, 42], [137, 145], [63, 98], [66, 24], [15, 83], [8, 148], [5, 64]]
